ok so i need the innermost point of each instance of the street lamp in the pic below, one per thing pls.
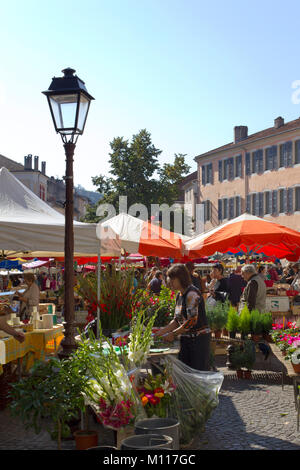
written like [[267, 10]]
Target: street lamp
[[69, 104]]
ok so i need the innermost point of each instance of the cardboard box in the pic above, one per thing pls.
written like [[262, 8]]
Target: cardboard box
[[296, 309]]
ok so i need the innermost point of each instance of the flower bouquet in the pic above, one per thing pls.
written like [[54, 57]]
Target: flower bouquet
[[140, 338], [109, 390], [155, 393]]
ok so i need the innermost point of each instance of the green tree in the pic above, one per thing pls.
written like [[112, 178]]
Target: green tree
[[136, 173]]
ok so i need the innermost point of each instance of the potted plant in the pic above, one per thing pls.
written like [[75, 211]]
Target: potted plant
[[256, 325], [237, 361], [53, 390], [267, 322], [245, 322], [232, 321], [217, 318], [248, 358], [295, 360]]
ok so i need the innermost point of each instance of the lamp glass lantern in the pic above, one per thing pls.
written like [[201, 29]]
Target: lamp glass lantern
[[69, 103]]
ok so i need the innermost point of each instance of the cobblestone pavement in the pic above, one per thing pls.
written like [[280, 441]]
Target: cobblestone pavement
[[252, 414]]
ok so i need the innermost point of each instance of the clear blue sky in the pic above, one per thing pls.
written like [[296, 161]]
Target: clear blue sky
[[186, 70]]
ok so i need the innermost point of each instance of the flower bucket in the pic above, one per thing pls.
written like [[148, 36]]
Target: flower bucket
[[104, 448], [147, 441], [165, 426], [247, 374], [85, 439], [256, 338], [123, 433], [296, 368]]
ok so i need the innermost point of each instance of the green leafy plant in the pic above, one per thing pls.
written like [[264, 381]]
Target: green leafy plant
[[256, 322], [245, 321], [236, 358], [248, 356], [117, 299], [232, 324], [267, 322], [53, 390], [217, 317]]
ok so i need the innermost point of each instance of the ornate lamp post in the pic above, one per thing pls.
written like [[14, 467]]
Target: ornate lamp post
[[69, 104]]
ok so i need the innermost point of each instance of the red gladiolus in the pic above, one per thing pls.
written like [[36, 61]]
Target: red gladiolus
[[154, 400]]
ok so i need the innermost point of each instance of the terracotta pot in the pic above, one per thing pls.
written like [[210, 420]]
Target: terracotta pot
[[217, 334], [85, 439], [255, 338], [296, 368], [247, 374], [240, 373]]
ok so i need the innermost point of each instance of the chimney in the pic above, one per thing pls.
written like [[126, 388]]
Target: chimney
[[36, 163], [240, 133], [43, 168], [28, 162], [278, 122]]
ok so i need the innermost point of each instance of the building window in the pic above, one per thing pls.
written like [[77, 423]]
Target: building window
[[248, 204], [231, 168], [231, 208], [257, 161], [297, 199], [290, 200], [275, 202], [297, 151], [271, 158], [282, 201], [207, 211], [226, 169], [237, 206], [268, 204], [286, 155], [221, 170], [225, 208], [42, 192], [238, 166], [220, 209], [261, 204], [248, 164], [207, 174]]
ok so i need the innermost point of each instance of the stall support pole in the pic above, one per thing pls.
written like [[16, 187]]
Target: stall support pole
[[98, 290]]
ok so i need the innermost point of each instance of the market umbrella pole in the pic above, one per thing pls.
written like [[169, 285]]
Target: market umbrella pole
[[98, 291]]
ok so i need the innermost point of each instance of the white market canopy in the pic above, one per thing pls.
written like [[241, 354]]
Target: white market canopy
[[29, 226]]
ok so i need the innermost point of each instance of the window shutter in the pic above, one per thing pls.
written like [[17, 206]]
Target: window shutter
[[297, 151], [297, 199], [254, 204], [289, 154], [285, 201], [260, 162], [261, 204], [274, 157], [274, 202], [220, 207], [253, 162], [237, 206], [225, 208], [226, 169], [231, 168], [248, 204], [248, 169], [231, 208], [221, 170], [239, 166], [203, 175], [211, 175], [290, 200]]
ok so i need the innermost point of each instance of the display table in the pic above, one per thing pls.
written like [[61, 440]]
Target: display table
[[35, 342], [287, 369]]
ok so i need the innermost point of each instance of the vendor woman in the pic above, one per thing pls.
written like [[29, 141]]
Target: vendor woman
[[189, 321], [30, 298]]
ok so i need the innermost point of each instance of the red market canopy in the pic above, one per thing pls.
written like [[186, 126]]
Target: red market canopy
[[246, 233]]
